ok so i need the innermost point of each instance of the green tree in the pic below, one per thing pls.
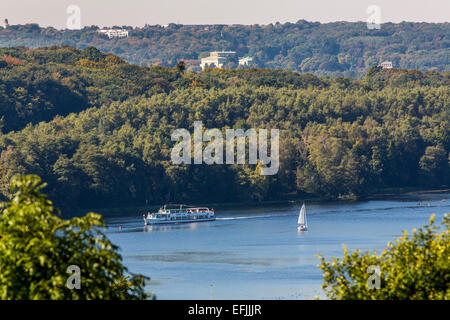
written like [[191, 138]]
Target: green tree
[[434, 165], [415, 267], [181, 66], [37, 247]]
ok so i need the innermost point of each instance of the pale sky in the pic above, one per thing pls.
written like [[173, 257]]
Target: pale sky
[[139, 12]]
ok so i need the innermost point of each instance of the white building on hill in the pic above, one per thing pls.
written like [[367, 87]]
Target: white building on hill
[[114, 33], [217, 59], [386, 65], [245, 61]]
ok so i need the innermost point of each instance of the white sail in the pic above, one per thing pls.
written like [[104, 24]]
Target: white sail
[[302, 216]]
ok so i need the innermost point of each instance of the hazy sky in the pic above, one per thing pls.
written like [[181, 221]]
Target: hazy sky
[[140, 12]]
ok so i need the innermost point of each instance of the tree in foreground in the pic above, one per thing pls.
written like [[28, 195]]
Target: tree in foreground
[[414, 267], [41, 253]]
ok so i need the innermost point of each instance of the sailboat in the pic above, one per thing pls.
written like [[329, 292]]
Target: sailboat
[[302, 224]]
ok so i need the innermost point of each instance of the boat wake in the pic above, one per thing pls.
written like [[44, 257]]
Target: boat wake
[[239, 218], [254, 217]]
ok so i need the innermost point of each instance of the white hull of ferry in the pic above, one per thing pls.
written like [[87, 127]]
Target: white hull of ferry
[[154, 221]]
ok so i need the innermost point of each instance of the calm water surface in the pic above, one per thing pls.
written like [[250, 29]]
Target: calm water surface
[[257, 253]]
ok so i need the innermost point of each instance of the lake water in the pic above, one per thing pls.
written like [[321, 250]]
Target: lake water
[[257, 253]]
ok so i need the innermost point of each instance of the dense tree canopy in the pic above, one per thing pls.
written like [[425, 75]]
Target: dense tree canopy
[[36, 85], [338, 137]]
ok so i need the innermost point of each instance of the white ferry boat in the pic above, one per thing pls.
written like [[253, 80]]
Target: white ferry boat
[[179, 214]]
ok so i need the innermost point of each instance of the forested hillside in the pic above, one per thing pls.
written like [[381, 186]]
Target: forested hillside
[[340, 48], [36, 85], [106, 139]]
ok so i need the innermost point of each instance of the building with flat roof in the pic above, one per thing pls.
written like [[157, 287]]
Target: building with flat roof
[[386, 65], [217, 59], [245, 61], [114, 33]]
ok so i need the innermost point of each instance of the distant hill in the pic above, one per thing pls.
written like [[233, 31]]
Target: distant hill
[[340, 48], [98, 129], [39, 84]]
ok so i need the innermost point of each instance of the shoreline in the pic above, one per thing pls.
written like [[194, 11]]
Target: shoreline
[[385, 193]]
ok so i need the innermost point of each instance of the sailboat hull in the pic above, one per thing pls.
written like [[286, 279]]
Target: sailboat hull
[[302, 228]]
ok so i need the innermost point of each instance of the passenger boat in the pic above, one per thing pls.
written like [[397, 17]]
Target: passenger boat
[[179, 213]]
